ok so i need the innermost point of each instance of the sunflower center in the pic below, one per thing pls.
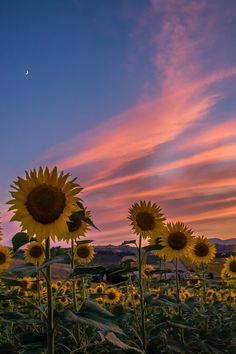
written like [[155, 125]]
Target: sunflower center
[[36, 251], [45, 203], [232, 266], [75, 223], [2, 258], [83, 252], [145, 221], [201, 249], [177, 240], [111, 296], [99, 290]]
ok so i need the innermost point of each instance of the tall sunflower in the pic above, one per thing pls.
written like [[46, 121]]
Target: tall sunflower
[[203, 251], [43, 202], [177, 239], [230, 266], [146, 218], [84, 253], [34, 253], [5, 258]]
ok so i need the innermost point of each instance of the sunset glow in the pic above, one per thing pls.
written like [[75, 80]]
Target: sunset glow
[[172, 141]]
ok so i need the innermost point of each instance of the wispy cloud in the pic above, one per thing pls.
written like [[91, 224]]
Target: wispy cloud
[[151, 150]]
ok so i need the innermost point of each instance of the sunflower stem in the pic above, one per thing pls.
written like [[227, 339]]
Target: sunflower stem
[[143, 330], [73, 282], [50, 319], [177, 278]]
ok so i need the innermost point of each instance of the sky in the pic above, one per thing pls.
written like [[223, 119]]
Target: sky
[[136, 98]]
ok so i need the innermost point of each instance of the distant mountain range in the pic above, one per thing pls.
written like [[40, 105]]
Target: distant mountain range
[[218, 241]]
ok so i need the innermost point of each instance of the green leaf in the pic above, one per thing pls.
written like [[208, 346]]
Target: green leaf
[[93, 315], [29, 269], [210, 348], [33, 340], [17, 317], [113, 339], [19, 239], [177, 347], [12, 282], [128, 242], [9, 296], [8, 348], [82, 242], [88, 270], [152, 248], [180, 323]]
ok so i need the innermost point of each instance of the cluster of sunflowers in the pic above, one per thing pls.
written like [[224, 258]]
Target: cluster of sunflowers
[[47, 206]]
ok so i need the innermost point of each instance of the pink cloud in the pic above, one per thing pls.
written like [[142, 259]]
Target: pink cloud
[[187, 96]]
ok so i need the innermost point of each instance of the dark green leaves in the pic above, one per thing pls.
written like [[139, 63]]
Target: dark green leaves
[[93, 315], [19, 239]]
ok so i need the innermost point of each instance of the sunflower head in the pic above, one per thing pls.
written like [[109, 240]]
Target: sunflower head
[[43, 202], [77, 227], [230, 266], [203, 251], [146, 218], [84, 253], [147, 271], [112, 296], [156, 240], [5, 258], [34, 253], [177, 240]]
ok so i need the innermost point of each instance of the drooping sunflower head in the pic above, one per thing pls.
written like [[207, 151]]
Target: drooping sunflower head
[[156, 240], [112, 296], [203, 251], [5, 258], [177, 240], [146, 218], [34, 253], [230, 266], [84, 253], [76, 227], [43, 202]]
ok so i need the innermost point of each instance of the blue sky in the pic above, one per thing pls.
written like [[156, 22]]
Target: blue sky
[[136, 98]]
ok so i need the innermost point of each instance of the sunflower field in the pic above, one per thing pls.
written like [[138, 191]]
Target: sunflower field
[[147, 312]]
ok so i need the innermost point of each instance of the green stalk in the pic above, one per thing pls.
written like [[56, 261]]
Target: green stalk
[[50, 319], [73, 282], [177, 278], [143, 330]]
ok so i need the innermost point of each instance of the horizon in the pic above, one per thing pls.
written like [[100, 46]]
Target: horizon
[[135, 98]]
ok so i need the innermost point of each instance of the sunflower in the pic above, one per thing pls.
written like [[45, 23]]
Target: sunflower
[[203, 251], [76, 227], [64, 300], [99, 289], [177, 239], [5, 258], [156, 240], [43, 203], [146, 218], [230, 266], [34, 253], [84, 253], [113, 296], [147, 271]]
